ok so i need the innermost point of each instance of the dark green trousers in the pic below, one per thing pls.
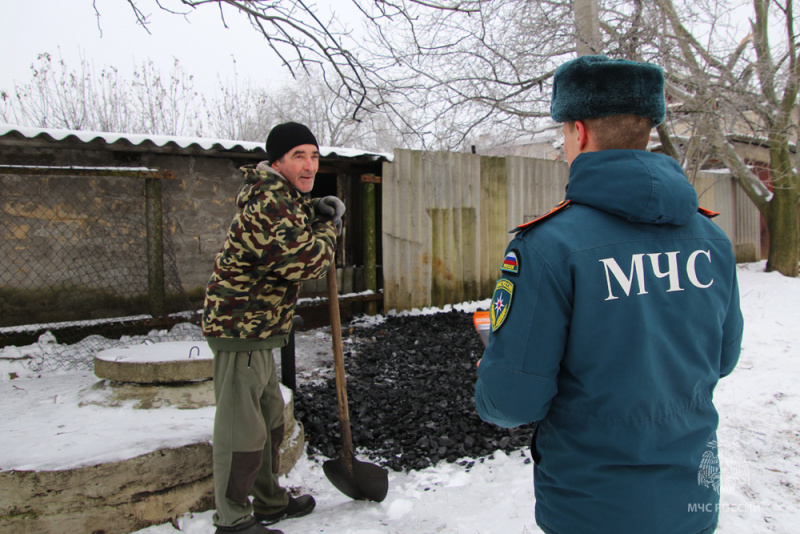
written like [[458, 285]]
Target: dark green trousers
[[248, 429]]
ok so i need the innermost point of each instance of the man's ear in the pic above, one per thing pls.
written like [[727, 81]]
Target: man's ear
[[583, 135]]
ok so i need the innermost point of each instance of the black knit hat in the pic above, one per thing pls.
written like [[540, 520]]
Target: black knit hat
[[285, 137], [597, 86]]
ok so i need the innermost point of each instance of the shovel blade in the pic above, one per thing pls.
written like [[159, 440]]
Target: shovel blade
[[365, 482]]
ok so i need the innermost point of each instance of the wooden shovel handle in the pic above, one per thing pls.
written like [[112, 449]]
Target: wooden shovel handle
[[338, 365]]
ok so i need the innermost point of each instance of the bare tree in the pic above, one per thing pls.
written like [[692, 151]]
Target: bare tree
[[238, 110], [152, 102], [476, 69], [81, 99], [308, 99], [487, 68], [53, 98], [312, 44], [244, 112], [168, 106], [296, 33], [746, 88]]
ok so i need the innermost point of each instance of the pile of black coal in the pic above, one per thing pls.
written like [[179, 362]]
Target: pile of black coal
[[410, 387]]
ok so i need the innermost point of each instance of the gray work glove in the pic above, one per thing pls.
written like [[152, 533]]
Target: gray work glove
[[332, 208]]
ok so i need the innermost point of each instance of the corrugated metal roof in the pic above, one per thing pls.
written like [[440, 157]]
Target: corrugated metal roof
[[11, 131]]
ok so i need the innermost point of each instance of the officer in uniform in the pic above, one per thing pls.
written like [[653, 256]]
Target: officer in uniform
[[614, 318]]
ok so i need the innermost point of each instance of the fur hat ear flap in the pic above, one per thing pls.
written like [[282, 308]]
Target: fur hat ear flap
[[597, 86]]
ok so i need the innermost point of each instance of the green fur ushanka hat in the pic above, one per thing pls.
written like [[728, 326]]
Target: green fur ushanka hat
[[597, 86]]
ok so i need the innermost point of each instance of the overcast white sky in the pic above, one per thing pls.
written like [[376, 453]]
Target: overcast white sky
[[70, 29]]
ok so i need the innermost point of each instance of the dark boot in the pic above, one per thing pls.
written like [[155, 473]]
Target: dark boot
[[298, 507], [251, 527]]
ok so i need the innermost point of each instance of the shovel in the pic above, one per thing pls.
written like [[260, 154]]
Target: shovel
[[356, 479]]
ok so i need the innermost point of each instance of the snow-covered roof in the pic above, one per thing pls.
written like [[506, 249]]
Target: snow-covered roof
[[166, 141]]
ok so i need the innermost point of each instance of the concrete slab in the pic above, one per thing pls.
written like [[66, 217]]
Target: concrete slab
[[156, 363], [123, 496]]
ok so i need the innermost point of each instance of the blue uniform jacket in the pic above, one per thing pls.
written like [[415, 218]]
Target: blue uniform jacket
[[613, 321]]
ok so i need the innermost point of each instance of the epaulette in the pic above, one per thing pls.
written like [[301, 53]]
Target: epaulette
[[561, 206], [708, 213]]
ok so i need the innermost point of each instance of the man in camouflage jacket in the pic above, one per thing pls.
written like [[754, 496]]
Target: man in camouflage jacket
[[278, 238]]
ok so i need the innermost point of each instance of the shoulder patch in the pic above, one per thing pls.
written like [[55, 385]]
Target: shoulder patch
[[511, 263], [708, 213], [561, 206], [501, 303]]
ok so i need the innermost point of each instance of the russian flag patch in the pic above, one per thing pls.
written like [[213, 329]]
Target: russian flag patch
[[511, 263]]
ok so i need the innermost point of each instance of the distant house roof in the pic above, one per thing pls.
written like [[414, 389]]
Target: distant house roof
[[162, 143]]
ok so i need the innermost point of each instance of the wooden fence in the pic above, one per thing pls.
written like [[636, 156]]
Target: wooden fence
[[447, 217], [739, 217]]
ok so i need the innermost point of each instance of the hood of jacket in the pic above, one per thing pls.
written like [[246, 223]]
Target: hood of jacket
[[636, 185], [261, 178]]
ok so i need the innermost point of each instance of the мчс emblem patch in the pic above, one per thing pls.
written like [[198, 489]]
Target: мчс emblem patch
[[511, 263], [501, 302]]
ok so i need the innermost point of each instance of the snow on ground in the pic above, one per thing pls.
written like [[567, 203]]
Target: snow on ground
[[46, 424]]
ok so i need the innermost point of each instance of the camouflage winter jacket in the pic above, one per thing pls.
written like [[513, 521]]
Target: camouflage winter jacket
[[274, 242]]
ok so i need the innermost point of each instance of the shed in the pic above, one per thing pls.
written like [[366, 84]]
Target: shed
[[78, 209]]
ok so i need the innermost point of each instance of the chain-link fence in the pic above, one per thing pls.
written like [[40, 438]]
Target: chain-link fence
[[76, 263]]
